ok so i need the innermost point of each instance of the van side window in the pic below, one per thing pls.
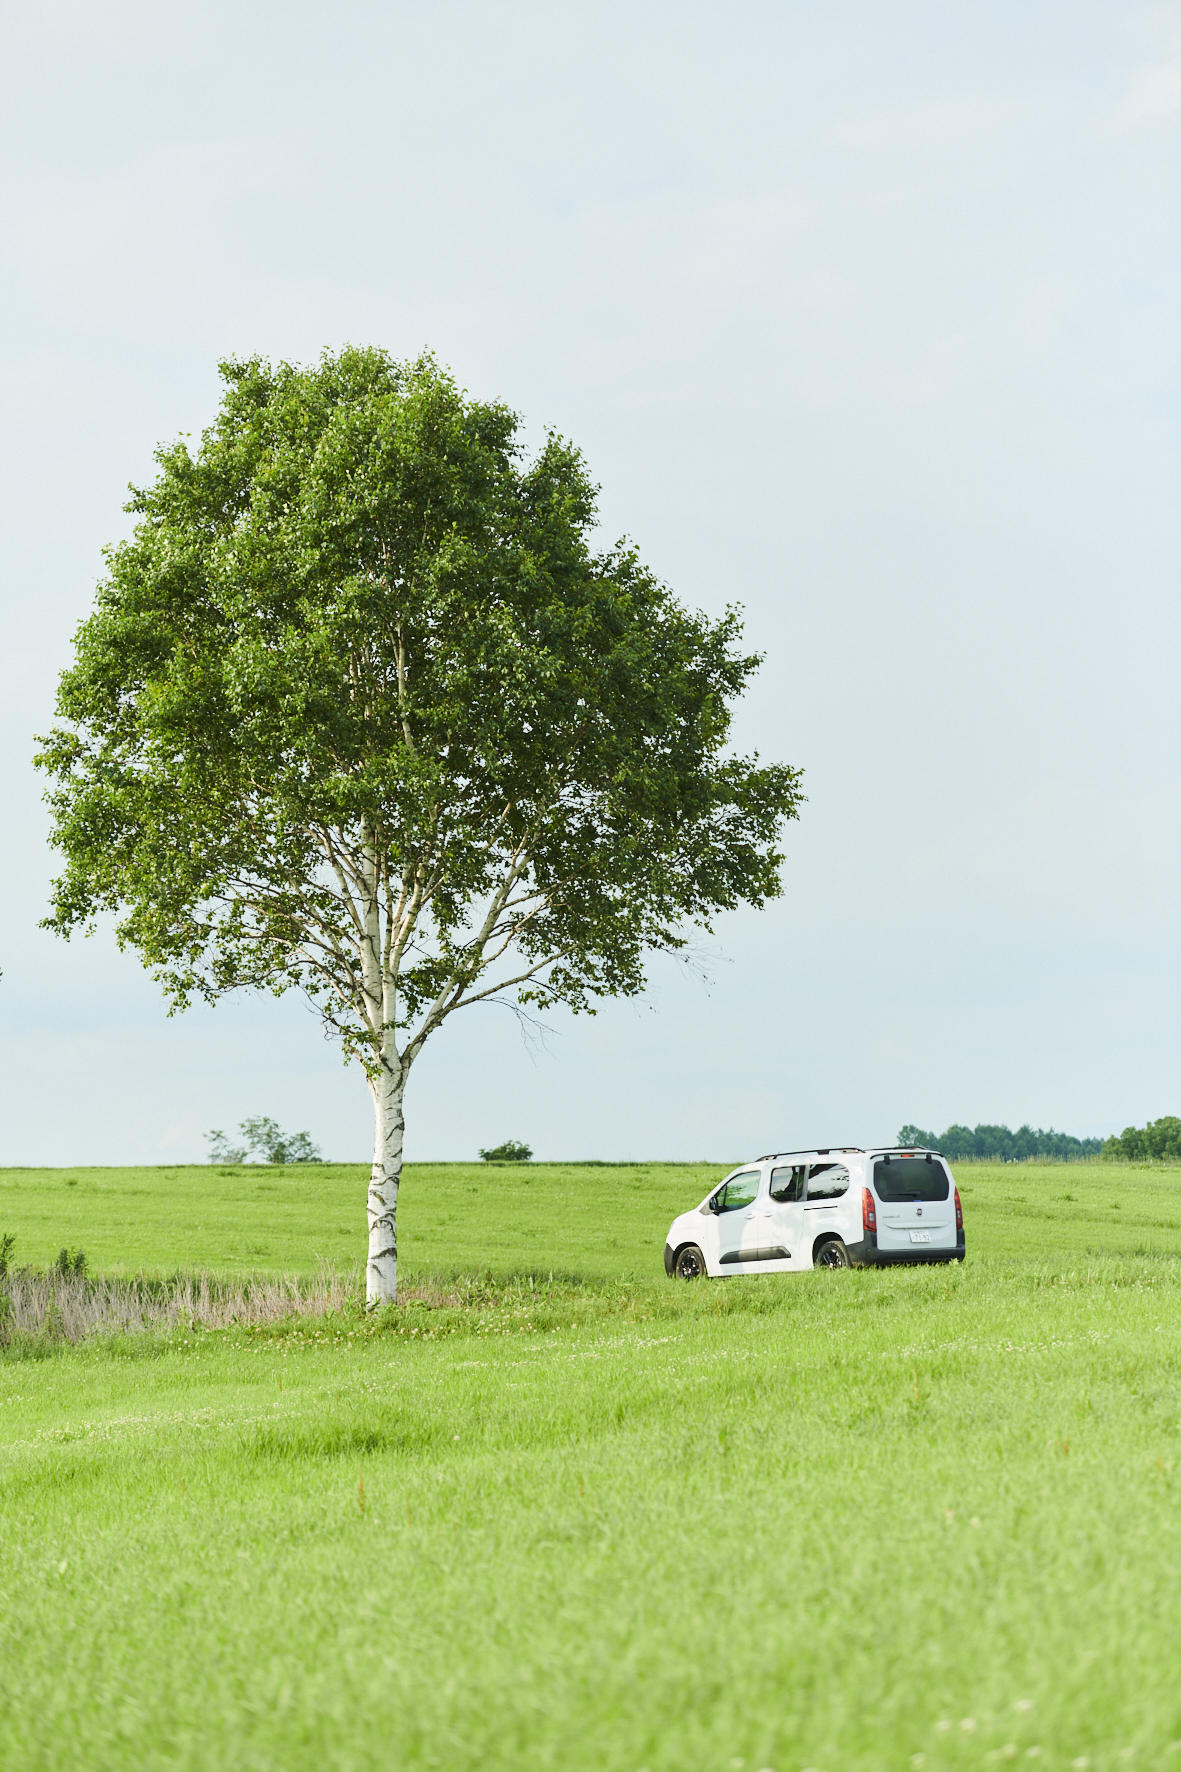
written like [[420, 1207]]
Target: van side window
[[787, 1182], [740, 1190], [827, 1181]]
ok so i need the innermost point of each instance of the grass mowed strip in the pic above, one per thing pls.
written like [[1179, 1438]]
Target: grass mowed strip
[[831, 1520]]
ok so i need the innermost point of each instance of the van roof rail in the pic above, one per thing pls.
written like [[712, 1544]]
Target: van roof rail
[[850, 1150], [816, 1150]]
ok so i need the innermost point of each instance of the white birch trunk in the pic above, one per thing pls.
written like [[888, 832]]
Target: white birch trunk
[[381, 1272]]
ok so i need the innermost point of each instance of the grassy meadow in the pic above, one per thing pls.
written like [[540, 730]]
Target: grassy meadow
[[564, 1513]]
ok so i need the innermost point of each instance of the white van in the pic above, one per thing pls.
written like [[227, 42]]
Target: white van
[[843, 1207]]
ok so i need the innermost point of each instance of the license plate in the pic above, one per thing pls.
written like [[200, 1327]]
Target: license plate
[[920, 1236]]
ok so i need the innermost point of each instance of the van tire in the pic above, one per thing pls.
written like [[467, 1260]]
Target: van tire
[[832, 1253], [690, 1263]]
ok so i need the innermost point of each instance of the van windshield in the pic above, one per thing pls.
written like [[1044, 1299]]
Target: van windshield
[[910, 1178]]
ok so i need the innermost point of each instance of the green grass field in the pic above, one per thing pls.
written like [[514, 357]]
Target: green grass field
[[866, 1519]]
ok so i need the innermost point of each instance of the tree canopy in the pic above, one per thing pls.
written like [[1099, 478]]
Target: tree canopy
[[363, 708], [1158, 1141], [999, 1145]]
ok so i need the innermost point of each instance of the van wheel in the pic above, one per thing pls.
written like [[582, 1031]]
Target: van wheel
[[832, 1254], [690, 1263]]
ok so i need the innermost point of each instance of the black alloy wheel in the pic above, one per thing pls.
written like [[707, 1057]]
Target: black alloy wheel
[[690, 1263], [832, 1254]]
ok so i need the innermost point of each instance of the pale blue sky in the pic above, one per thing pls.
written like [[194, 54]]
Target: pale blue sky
[[864, 314]]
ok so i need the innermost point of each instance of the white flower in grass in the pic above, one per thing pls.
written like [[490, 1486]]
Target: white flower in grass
[[967, 1724], [1023, 1704], [943, 1725], [1083, 1760]]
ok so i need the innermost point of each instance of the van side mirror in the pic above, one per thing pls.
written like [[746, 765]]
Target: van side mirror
[[715, 1204]]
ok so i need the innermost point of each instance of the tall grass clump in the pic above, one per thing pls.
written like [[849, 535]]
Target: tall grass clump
[[66, 1305]]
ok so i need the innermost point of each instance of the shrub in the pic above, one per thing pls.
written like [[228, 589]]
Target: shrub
[[511, 1151], [7, 1245], [222, 1151], [262, 1139], [71, 1264]]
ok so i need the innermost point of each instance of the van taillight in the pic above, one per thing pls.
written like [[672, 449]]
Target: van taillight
[[869, 1212], [959, 1212]]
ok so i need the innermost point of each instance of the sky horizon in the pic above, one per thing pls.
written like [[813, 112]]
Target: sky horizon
[[864, 319]]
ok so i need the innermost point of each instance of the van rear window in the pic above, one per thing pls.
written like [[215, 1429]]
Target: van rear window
[[910, 1178]]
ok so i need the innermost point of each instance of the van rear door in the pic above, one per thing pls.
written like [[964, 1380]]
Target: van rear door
[[916, 1203]]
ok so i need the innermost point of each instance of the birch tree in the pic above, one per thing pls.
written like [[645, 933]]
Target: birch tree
[[365, 708]]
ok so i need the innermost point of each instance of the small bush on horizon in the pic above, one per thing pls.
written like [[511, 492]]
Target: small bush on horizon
[[511, 1151], [71, 1264], [263, 1140]]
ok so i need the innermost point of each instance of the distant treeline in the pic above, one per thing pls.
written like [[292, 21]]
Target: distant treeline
[[1160, 1139], [997, 1144]]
